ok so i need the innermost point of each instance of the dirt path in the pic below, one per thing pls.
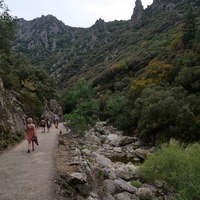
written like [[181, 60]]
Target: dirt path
[[28, 176]]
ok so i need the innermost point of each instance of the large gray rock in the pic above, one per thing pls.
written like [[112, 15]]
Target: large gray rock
[[124, 186], [144, 193], [108, 197], [112, 175], [126, 172], [102, 161], [13, 118], [77, 178], [92, 138], [126, 196], [141, 153], [123, 140], [112, 187]]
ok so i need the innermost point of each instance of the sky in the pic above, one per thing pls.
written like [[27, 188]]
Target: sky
[[74, 13]]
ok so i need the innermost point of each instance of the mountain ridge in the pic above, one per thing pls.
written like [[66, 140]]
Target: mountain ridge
[[68, 52], [131, 68]]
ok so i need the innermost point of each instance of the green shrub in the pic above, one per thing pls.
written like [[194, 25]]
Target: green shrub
[[21, 134], [90, 159], [136, 183], [3, 145], [78, 122], [32, 103], [16, 138], [176, 169], [83, 109]]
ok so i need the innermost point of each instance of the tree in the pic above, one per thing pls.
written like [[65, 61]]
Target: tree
[[189, 29], [7, 30], [189, 79], [175, 168], [158, 108], [7, 27], [155, 72], [118, 112], [84, 109]]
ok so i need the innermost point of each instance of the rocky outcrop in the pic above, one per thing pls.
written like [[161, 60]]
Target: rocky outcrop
[[87, 169], [99, 27], [52, 108], [13, 116], [137, 12], [42, 34], [161, 4]]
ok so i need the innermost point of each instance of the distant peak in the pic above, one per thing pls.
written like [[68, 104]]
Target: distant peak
[[100, 26], [137, 12], [100, 21]]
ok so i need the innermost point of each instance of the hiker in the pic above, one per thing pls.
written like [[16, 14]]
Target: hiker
[[56, 121], [48, 123], [42, 124], [30, 133]]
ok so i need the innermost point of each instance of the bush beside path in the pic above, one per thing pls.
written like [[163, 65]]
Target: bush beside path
[[30, 175]]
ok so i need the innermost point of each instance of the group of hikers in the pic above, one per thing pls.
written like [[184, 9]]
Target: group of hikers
[[46, 122], [31, 135]]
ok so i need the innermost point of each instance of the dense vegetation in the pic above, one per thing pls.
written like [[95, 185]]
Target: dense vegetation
[[33, 83], [174, 168], [81, 108], [143, 77], [161, 100]]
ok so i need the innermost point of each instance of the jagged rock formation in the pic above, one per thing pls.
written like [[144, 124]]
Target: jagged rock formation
[[137, 12], [41, 31], [12, 114], [69, 53], [99, 27], [51, 108], [12, 118]]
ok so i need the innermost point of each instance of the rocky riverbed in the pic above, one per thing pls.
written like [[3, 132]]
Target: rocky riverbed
[[101, 166]]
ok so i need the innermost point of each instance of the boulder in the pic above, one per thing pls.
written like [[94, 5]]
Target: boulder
[[102, 160], [141, 153], [126, 196], [77, 178], [144, 193], [124, 186], [126, 172]]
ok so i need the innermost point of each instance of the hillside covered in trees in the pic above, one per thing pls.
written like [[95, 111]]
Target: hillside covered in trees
[[141, 74], [25, 90]]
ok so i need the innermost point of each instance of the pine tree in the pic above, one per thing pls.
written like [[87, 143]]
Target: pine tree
[[7, 28], [189, 30]]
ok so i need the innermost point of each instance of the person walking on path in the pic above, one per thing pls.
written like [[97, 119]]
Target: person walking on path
[[31, 176], [48, 122], [30, 133], [56, 121], [42, 124]]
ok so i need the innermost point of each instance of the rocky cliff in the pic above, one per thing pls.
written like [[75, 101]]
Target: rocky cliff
[[137, 12], [13, 116], [68, 53]]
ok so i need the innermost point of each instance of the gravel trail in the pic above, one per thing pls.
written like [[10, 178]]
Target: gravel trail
[[28, 176]]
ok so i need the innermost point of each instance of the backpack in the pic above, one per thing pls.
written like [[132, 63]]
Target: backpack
[[42, 122]]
